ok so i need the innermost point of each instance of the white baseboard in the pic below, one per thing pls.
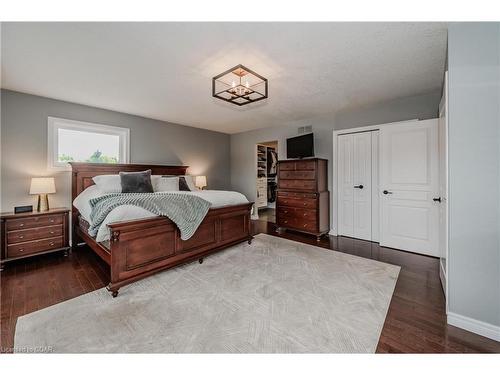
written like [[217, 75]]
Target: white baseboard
[[476, 326], [332, 232]]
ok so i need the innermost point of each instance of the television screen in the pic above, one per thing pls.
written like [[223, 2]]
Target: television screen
[[300, 147]]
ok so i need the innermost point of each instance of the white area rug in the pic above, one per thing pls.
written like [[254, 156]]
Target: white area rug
[[273, 296]]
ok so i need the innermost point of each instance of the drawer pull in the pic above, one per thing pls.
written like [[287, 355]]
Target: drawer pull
[[51, 244], [305, 215], [285, 212], [51, 232], [21, 225], [21, 250], [286, 221], [21, 237], [305, 225], [51, 220]]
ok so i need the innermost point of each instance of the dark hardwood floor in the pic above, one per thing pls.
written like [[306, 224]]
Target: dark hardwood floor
[[415, 323]]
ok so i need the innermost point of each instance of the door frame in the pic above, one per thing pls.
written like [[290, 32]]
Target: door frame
[[335, 187]]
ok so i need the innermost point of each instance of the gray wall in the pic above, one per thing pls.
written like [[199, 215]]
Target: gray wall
[[474, 167], [24, 145], [243, 170], [422, 107]]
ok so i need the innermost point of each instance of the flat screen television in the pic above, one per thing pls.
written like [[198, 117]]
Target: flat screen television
[[300, 147]]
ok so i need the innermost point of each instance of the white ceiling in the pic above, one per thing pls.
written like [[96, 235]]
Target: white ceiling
[[164, 70]]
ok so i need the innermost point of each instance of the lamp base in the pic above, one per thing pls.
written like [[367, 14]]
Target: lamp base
[[43, 202]]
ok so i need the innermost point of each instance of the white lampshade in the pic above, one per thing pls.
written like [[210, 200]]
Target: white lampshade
[[42, 185], [201, 181]]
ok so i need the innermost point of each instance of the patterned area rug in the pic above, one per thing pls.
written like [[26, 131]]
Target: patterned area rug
[[273, 296]]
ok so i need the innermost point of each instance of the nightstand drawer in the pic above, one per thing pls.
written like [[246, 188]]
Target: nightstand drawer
[[34, 234], [32, 247], [33, 222]]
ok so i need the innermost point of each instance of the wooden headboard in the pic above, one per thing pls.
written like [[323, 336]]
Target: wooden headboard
[[82, 173]]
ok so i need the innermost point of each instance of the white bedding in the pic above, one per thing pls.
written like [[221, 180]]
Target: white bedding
[[218, 198]]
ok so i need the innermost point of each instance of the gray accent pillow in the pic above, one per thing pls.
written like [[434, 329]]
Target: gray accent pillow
[[183, 185], [136, 182]]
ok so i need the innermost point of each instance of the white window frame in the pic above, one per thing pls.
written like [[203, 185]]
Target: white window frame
[[54, 124]]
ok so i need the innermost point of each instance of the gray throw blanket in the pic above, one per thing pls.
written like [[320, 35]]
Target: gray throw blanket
[[185, 210]]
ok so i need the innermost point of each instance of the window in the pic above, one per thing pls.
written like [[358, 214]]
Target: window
[[70, 140]]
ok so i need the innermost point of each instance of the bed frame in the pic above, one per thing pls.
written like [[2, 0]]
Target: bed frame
[[139, 248]]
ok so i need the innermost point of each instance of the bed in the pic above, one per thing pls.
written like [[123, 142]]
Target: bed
[[138, 248]]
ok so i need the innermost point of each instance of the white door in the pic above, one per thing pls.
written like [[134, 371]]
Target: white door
[[362, 178], [409, 182], [443, 184], [355, 185], [345, 185]]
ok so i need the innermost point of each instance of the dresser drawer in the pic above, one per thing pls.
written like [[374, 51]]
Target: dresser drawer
[[293, 194], [305, 165], [298, 175], [32, 247], [34, 234], [297, 202], [287, 166], [34, 222], [297, 184], [298, 213], [297, 223]]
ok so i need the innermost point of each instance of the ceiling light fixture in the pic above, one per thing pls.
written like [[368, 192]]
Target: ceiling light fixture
[[240, 86]]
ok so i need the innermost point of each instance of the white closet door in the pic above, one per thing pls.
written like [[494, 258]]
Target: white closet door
[[345, 185], [408, 183], [355, 185], [362, 178], [375, 190]]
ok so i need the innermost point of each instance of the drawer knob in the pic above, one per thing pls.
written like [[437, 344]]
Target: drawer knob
[[21, 225], [286, 221], [305, 215], [305, 225], [21, 250], [21, 237], [51, 220], [52, 244], [51, 232]]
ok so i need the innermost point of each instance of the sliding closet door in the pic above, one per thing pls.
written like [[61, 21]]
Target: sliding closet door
[[355, 185]]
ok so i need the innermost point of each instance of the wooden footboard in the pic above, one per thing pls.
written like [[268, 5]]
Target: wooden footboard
[[139, 248]]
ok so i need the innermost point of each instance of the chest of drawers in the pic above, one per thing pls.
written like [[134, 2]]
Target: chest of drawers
[[29, 234], [303, 196]]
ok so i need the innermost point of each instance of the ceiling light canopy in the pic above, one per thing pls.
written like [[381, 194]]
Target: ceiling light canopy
[[240, 86]]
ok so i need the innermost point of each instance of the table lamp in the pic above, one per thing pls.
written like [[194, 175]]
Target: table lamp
[[201, 182], [42, 186]]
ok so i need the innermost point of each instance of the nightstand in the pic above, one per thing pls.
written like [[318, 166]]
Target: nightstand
[[33, 233]]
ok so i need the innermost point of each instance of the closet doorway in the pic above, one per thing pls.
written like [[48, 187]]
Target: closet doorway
[[266, 182]]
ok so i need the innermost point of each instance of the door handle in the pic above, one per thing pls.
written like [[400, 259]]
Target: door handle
[[437, 199], [387, 192], [358, 186]]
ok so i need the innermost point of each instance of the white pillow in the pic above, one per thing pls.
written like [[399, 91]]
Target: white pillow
[[165, 183], [108, 183], [111, 183], [81, 202]]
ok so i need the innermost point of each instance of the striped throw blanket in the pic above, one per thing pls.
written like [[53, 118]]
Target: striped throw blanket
[[185, 210]]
